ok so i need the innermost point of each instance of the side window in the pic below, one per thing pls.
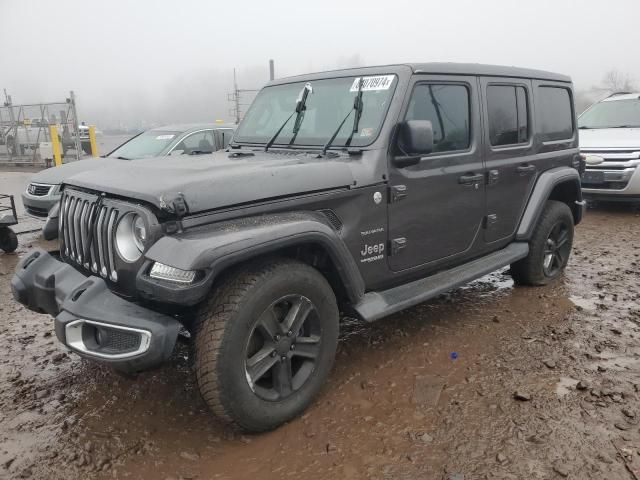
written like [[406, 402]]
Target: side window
[[508, 115], [555, 114], [447, 107], [199, 142]]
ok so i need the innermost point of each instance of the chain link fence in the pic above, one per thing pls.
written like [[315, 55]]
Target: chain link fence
[[25, 133]]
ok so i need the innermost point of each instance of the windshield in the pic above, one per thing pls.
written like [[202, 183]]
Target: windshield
[[325, 107], [612, 114], [148, 144]]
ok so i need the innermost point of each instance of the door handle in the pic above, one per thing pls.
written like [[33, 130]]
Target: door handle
[[471, 178], [526, 169]]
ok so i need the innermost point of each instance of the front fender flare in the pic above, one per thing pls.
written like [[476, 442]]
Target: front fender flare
[[215, 247]]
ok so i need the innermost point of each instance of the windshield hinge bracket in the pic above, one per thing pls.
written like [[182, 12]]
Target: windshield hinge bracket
[[176, 205], [398, 192]]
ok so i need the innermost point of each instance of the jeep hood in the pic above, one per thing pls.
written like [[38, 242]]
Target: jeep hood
[[217, 180], [604, 138]]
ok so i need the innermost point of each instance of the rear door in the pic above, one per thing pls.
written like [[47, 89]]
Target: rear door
[[437, 206], [509, 153]]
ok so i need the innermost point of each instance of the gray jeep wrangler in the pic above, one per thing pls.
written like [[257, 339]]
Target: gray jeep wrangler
[[349, 193]]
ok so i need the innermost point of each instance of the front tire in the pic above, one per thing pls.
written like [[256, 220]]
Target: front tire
[[265, 343], [549, 247]]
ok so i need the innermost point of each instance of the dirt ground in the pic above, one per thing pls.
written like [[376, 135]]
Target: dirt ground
[[488, 382]]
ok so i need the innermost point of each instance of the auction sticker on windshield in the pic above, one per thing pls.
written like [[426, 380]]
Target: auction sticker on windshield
[[380, 82]]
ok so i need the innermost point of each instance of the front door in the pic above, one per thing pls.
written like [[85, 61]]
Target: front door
[[437, 206]]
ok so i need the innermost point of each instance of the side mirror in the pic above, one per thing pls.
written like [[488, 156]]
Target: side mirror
[[415, 139]]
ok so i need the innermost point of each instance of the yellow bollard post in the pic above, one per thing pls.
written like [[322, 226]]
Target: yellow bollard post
[[92, 139], [55, 144]]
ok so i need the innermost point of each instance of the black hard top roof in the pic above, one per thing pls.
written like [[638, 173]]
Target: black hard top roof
[[443, 68]]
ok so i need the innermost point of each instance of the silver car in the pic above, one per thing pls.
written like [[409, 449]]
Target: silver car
[[44, 190], [610, 143]]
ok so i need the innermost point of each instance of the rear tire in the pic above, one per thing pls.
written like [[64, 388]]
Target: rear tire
[[8, 240], [265, 343], [549, 247]]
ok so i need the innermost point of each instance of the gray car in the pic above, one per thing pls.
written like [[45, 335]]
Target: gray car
[[44, 189]]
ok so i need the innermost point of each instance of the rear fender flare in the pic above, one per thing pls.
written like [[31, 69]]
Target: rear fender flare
[[542, 191]]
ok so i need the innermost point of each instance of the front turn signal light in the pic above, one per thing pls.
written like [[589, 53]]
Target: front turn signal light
[[160, 271]]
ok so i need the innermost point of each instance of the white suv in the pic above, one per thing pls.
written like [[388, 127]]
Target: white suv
[[610, 143]]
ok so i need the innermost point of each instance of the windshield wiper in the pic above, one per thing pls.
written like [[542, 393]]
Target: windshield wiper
[[123, 158], [299, 112], [301, 106], [584, 128], [357, 107]]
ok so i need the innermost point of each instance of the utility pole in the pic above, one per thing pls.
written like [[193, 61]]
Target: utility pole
[[236, 98], [76, 123], [9, 105]]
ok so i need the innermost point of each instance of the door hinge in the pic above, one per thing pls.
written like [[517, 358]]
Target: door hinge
[[398, 244], [490, 220], [398, 192], [492, 177]]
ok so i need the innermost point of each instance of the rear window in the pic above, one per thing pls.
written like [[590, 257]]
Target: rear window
[[555, 115]]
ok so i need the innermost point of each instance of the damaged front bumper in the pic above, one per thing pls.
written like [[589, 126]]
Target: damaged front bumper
[[90, 319]]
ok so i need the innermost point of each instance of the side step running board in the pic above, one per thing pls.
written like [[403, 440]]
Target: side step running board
[[375, 305]]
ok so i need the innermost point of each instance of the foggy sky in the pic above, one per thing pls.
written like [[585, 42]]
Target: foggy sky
[[159, 61]]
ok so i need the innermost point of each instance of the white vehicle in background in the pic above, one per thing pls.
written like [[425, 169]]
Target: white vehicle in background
[[26, 138], [610, 142], [83, 135]]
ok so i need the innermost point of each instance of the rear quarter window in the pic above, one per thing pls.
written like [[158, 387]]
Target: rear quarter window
[[555, 114]]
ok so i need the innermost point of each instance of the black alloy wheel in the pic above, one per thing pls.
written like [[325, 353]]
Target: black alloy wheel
[[557, 249], [283, 347]]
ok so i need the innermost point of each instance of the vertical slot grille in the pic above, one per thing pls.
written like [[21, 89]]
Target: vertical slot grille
[[80, 215]]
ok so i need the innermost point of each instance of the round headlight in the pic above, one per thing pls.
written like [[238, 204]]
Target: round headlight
[[131, 236]]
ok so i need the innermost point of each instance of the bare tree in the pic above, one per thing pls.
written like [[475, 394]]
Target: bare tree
[[616, 81]]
